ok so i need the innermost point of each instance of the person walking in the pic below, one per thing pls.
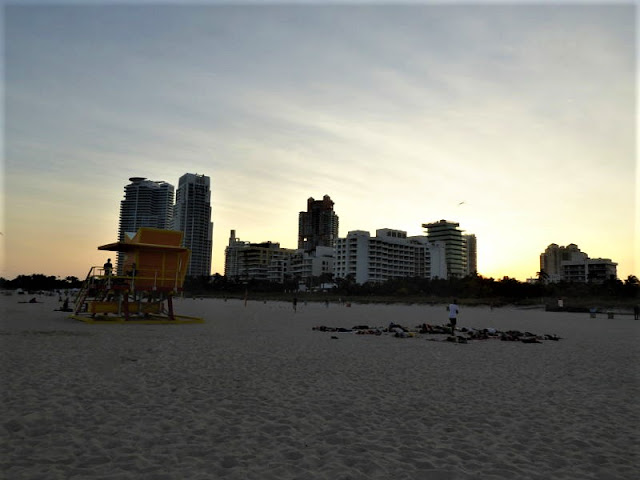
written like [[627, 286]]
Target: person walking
[[453, 316]]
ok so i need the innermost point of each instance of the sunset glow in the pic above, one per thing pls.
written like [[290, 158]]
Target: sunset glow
[[518, 122]]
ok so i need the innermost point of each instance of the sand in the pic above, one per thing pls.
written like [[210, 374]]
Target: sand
[[254, 393]]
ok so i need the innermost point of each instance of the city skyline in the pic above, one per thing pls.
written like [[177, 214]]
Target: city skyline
[[517, 122]]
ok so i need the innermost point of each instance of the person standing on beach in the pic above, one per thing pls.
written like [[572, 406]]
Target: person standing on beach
[[636, 312], [295, 304], [453, 316]]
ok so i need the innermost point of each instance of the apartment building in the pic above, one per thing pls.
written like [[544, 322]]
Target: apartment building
[[318, 226], [315, 264], [260, 261], [192, 216], [570, 264], [146, 203], [455, 244], [388, 255], [471, 246]]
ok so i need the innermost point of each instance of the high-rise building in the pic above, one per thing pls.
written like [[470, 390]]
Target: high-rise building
[[318, 226], [258, 261], [570, 264], [553, 256], [472, 253], [192, 216], [455, 246], [314, 266], [146, 203], [389, 255]]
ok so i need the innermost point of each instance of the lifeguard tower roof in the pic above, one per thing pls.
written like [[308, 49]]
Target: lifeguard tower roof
[[157, 257]]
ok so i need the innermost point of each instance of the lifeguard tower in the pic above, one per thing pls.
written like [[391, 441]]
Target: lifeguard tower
[[153, 272]]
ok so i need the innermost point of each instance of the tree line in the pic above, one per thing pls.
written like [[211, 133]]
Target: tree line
[[471, 287], [38, 281]]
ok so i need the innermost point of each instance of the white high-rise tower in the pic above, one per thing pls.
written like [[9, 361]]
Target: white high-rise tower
[[146, 203], [192, 216]]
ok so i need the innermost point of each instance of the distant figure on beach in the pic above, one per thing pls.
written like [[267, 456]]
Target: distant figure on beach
[[65, 306], [636, 312], [453, 316], [295, 304], [108, 268]]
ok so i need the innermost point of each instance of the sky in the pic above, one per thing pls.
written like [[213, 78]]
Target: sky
[[516, 121]]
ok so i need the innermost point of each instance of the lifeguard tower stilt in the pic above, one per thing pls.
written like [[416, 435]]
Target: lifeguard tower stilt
[[153, 272]]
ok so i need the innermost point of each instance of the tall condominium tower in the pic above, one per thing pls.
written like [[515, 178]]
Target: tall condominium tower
[[146, 203], [318, 226], [472, 254], [455, 246], [192, 216]]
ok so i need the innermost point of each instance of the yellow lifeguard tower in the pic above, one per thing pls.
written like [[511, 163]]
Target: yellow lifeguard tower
[[153, 272]]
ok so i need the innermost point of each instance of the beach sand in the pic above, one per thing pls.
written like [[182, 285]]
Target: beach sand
[[254, 393]]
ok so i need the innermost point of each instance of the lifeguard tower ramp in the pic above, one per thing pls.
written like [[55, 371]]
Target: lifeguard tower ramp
[[153, 272]]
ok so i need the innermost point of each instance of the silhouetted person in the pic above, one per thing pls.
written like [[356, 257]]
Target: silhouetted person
[[65, 306], [453, 316], [295, 304], [636, 312], [108, 268]]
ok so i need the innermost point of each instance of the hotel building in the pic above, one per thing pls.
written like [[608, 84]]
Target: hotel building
[[388, 255]]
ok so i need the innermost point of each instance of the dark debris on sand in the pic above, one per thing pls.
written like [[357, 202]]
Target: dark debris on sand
[[466, 334]]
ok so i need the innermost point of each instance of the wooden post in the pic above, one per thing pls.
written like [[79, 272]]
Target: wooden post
[[125, 304], [170, 306]]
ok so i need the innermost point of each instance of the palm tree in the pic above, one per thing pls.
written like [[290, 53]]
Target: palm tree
[[543, 277], [632, 280]]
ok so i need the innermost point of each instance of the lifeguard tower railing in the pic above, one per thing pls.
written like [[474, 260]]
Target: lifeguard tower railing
[[98, 286], [153, 271]]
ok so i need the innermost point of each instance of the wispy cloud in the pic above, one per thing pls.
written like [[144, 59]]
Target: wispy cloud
[[397, 112]]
